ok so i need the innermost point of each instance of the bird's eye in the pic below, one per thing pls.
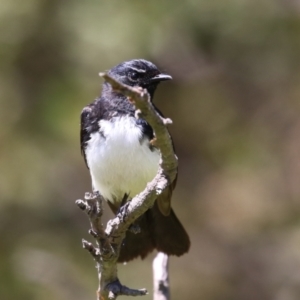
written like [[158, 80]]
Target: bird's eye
[[133, 75]]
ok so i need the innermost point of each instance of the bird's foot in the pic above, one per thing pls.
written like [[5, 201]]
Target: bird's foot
[[122, 212], [134, 228]]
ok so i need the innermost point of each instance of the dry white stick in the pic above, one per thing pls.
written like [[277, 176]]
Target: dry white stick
[[160, 266]]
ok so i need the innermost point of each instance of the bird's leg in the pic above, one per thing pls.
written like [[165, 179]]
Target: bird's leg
[[123, 206], [134, 227]]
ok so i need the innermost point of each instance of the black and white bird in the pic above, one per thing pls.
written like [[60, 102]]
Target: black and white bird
[[117, 150]]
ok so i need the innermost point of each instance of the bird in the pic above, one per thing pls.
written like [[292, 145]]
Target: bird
[[117, 149]]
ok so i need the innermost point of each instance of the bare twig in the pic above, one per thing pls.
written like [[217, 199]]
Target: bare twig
[[109, 240], [161, 277]]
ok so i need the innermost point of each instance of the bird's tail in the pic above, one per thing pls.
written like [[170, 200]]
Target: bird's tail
[[169, 234], [165, 233]]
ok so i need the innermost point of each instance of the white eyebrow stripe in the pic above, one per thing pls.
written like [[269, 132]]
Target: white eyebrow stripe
[[138, 70]]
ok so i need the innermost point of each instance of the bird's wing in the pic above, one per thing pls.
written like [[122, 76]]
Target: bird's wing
[[164, 199], [89, 123], [84, 129]]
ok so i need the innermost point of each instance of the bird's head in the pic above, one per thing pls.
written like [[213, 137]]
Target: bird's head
[[139, 72]]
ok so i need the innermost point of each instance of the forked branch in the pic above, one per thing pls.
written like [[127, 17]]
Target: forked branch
[[109, 239]]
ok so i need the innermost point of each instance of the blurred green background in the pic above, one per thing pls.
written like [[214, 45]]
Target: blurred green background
[[235, 106]]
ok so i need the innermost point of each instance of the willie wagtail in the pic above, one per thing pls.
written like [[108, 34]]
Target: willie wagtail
[[117, 150]]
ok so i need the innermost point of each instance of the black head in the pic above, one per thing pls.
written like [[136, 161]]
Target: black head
[[139, 72]]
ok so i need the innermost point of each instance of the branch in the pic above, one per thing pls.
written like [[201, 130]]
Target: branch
[[109, 240], [161, 277]]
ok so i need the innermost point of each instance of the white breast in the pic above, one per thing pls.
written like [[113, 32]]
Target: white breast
[[119, 162]]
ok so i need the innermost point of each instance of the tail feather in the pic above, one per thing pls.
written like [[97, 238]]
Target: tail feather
[[139, 244], [165, 233], [169, 234]]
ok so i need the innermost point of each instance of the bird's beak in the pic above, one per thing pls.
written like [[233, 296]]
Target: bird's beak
[[160, 77]]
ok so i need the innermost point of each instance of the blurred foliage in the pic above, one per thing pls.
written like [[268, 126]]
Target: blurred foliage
[[235, 105]]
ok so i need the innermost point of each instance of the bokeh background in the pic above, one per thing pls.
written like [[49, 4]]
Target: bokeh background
[[235, 106]]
